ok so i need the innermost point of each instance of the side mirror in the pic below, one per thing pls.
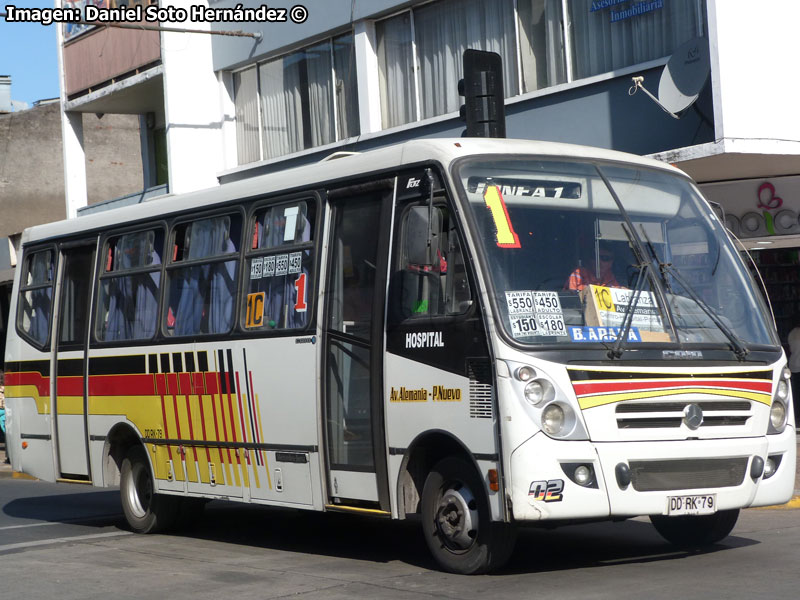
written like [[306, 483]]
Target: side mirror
[[417, 231]]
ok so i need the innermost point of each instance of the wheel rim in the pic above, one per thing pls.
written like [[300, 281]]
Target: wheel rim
[[457, 518], [139, 491]]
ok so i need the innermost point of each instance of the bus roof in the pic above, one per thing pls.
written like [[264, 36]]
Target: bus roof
[[442, 150]]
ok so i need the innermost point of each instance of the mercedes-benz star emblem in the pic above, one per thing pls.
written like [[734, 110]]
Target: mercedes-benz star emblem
[[692, 416]]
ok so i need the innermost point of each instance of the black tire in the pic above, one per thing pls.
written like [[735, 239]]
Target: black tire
[[696, 531], [457, 522], [145, 511]]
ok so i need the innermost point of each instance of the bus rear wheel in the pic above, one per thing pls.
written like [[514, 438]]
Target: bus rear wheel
[[695, 531], [457, 524], [145, 511]]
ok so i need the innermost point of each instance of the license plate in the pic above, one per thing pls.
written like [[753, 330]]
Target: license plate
[[704, 504]]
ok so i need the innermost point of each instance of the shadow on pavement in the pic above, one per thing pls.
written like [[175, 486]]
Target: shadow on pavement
[[371, 539], [379, 540], [88, 508]]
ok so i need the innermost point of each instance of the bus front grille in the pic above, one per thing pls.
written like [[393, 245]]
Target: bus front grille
[[664, 415], [665, 475]]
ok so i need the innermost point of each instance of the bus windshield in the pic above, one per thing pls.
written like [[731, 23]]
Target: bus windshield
[[583, 252]]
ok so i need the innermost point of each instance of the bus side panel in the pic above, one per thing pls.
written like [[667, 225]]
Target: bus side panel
[[276, 380], [28, 405], [421, 398]]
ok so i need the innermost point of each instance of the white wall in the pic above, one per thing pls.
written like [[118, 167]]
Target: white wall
[[192, 106], [754, 51]]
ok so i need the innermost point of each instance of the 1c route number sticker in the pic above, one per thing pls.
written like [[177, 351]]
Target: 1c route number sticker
[[535, 313]]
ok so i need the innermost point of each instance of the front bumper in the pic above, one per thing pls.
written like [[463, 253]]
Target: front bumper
[[541, 487]]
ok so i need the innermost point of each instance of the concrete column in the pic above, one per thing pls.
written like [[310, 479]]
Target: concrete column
[[191, 105], [75, 190], [228, 108], [76, 194], [369, 90]]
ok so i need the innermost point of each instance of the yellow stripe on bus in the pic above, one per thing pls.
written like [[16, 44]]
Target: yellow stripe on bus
[[604, 399], [29, 391]]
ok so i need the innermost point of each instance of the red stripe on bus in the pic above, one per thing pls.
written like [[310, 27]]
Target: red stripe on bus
[[222, 410], [198, 382], [584, 388], [241, 414], [122, 385], [212, 383], [185, 382], [69, 386], [33, 378], [203, 426], [161, 381], [164, 416], [256, 416], [230, 408]]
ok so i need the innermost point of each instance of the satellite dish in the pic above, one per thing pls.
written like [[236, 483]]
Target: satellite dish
[[682, 79], [684, 76]]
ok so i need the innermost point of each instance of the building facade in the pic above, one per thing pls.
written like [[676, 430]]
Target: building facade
[[359, 74], [32, 173]]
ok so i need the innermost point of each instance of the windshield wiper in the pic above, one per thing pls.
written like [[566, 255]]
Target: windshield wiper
[[616, 351], [638, 250], [738, 346]]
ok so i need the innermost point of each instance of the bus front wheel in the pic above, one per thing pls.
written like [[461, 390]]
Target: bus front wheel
[[145, 511], [457, 523], [695, 531]]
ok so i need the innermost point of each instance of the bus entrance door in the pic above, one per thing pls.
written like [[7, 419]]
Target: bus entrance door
[[353, 411], [70, 395]]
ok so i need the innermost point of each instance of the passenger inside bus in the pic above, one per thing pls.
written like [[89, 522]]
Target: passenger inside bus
[[201, 296], [132, 311], [274, 228]]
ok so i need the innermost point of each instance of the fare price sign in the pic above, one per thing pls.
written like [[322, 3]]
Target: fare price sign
[[534, 313]]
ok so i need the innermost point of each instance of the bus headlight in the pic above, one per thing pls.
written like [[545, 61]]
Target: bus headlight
[[543, 401], [525, 373], [783, 390], [553, 419], [534, 392], [777, 415], [559, 420], [538, 391]]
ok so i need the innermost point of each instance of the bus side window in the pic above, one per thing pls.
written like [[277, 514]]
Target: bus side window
[[279, 264], [129, 287], [36, 297], [429, 280], [202, 276]]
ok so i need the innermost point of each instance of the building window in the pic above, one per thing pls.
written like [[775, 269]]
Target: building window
[[420, 50], [300, 100], [613, 38], [435, 37], [541, 44]]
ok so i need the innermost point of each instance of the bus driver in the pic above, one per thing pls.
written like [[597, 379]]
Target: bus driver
[[595, 273]]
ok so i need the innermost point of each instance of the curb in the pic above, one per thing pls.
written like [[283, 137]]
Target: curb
[[9, 474], [792, 504]]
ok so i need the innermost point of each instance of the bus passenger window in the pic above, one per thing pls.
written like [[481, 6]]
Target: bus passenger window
[[36, 297], [280, 262], [429, 279], [129, 286], [202, 276]]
